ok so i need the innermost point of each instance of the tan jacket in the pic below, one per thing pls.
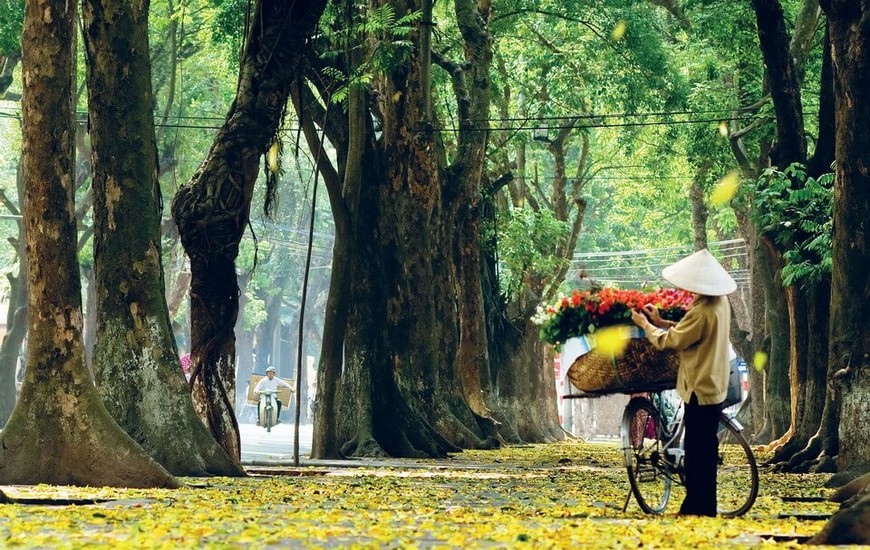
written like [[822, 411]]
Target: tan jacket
[[701, 337]]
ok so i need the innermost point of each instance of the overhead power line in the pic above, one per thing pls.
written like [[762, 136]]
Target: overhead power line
[[643, 266], [590, 120]]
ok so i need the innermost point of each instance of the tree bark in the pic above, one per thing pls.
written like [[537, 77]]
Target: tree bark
[[213, 210], [777, 402], [759, 340], [809, 359], [16, 314], [343, 188], [699, 211], [784, 81], [849, 26], [413, 345], [472, 88], [16, 321], [8, 63], [848, 526], [59, 432], [790, 144], [821, 448], [135, 356]]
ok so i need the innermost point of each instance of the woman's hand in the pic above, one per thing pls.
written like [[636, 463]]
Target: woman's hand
[[639, 319], [653, 314]]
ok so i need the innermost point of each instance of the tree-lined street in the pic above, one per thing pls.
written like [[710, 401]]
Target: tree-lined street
[[405, 209]]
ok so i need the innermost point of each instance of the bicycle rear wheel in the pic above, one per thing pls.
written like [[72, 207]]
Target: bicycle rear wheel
[[643, 444], [737, 472]]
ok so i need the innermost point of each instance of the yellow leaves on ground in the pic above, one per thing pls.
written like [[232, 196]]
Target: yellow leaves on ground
[[725, 189], [560, 495]]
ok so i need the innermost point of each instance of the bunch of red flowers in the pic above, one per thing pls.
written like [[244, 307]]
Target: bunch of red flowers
[[584, 311]]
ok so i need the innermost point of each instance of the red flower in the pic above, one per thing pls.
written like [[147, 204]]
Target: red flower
[[585, 310]]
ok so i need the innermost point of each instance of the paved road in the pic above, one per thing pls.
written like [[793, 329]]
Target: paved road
[[260, 446]]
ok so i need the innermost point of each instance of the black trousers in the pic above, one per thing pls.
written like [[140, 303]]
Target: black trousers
[[701, 458]]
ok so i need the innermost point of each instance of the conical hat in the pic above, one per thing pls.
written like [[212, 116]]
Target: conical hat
[[700, 273]]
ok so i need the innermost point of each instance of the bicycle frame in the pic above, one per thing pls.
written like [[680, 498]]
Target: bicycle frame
[[654, 456], [268, 407]]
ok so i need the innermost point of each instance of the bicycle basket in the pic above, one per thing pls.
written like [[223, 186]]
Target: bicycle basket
[[640, 368]]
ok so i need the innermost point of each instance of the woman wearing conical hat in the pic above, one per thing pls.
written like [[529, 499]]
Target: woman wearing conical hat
[[701, 338]]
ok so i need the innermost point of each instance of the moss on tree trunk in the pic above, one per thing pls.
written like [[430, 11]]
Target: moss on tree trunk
[[135, 357]]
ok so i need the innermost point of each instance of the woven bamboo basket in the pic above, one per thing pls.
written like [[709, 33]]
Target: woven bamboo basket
[[640, 368]]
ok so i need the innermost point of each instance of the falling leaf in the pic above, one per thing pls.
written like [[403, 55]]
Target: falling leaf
[[725, 189], [272, 157], [619, 30], [612, 340], [759, 360], [723, 128]]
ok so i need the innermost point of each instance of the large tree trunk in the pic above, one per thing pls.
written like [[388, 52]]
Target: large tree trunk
[[8, 64], [135, 357], [777, 401], [343, 186], [16, 314], [523, 377], [849, 25], [213, 210], [16, 322], [410, 356], [790, 144], [820, 450], [526, 386], [59, 432], [427, 232], [400, 390], [815, 441], [784, 82], [809, 358], [465, 175]]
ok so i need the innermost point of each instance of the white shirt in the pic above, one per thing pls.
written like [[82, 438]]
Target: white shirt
[[271, 385]]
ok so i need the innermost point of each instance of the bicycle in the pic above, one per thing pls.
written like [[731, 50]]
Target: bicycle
[[652, 440], [268, 410]]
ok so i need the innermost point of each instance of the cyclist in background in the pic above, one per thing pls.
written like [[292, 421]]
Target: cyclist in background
[[701, 338], [271, 383]]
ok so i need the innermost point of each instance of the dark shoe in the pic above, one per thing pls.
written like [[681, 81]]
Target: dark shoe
[[690, 511]]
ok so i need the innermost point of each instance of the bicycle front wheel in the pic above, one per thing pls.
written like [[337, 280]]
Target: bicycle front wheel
[[269, 421], [736, 472], [643, 440]]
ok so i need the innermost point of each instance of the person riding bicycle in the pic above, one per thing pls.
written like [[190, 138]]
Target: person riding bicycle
[[702, 339], [271, 383]]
